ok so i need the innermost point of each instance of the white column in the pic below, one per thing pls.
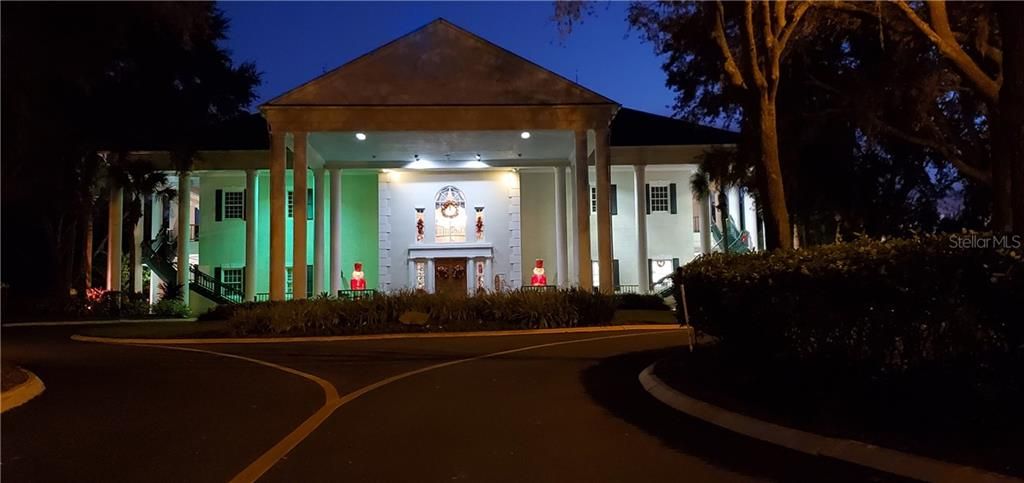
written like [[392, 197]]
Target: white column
[[184, 231], [583, 267], [561, 261], [137, 254], [299, 185], [250, 234], [470, 276], [277, 214], [640, 204], [429, 276], [602, 155], [335, 231], [318, 230], [571, 228], [114, 229], [705, 223]]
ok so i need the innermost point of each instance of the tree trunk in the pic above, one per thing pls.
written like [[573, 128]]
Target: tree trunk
[[1008, 145], [723, 208], [770, 165]]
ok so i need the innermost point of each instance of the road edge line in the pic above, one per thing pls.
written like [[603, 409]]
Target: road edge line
[[342, 338], [22, 393], [848, 450]]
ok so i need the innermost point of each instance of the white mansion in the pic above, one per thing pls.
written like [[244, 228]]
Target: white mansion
[[458, 178]]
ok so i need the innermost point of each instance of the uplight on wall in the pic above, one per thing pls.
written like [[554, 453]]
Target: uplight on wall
[[361, 136]]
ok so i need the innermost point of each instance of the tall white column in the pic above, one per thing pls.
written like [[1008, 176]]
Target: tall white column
[[561, 261], [335, 231], [430, 275], [299, 185], [640, 204], [318, 230], [586, 278], [277, 214], [250, 234], [137, 255], [602, 155], [184, 231], [114, 229], [470, 276], [705, 223]]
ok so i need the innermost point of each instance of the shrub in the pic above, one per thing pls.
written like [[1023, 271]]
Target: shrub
[[381, 313], [880, 306], [632, 301], [172, 308]]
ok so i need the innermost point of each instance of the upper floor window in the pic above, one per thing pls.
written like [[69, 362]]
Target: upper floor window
[[450, 215], [290, 210], [234, 204], [659, 198]]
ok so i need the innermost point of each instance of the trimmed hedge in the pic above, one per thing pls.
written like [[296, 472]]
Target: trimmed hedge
[[380, 313], [881, 306]]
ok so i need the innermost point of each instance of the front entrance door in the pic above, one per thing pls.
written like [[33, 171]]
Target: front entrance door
[[450, 276]]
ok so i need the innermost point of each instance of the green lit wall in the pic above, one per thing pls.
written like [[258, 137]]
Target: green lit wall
[[222, 243]]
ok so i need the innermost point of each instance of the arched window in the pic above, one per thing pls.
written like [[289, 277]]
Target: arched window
[[450, 216]]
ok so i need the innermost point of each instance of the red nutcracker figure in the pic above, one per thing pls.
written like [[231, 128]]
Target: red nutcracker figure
[[358, 282], [538, 279]]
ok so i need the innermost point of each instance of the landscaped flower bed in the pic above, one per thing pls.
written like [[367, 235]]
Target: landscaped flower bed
[[411, 312]]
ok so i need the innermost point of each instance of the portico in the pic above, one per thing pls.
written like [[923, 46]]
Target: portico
[[483, 118]]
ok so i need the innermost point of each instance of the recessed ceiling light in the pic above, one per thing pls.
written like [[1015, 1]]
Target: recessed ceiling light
[[525, 134], [361, 136]]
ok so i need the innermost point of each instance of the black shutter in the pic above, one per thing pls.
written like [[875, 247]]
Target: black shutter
[[675, 263], [243, 282], [650, 273], [672, 198], [309, 203], [216, 276], [615, 200], [647, 197], [245, 202], [309, 281], [218, 205], [615, 273]]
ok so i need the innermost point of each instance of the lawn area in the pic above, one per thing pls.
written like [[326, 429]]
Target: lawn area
[[951, 415]]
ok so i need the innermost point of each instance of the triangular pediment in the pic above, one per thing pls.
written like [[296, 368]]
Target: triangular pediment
[[439, 65]]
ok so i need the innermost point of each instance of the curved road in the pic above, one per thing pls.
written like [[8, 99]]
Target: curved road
[[562, 413]]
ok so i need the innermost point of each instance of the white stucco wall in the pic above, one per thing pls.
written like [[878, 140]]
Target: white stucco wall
[[412, 189], [668, 235], [538, 226]]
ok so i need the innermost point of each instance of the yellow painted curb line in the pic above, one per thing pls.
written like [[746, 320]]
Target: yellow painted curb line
[[340, 338], [852, 451], [22, 393]]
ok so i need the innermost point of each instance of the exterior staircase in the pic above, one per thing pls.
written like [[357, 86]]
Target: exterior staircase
[[739, 242], [158, 254]]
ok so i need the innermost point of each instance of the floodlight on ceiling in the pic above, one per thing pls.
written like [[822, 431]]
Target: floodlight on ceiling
[[525, 134], [361, 136]]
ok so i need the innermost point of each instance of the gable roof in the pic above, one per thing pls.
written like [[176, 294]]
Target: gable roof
[[638, 128], [439, 64]]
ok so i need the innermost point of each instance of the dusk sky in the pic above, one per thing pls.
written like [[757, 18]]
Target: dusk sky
[[293, 42]]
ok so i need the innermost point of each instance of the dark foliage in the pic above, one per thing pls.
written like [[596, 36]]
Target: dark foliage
[[879, 307], [381, 313], [83, 85]]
